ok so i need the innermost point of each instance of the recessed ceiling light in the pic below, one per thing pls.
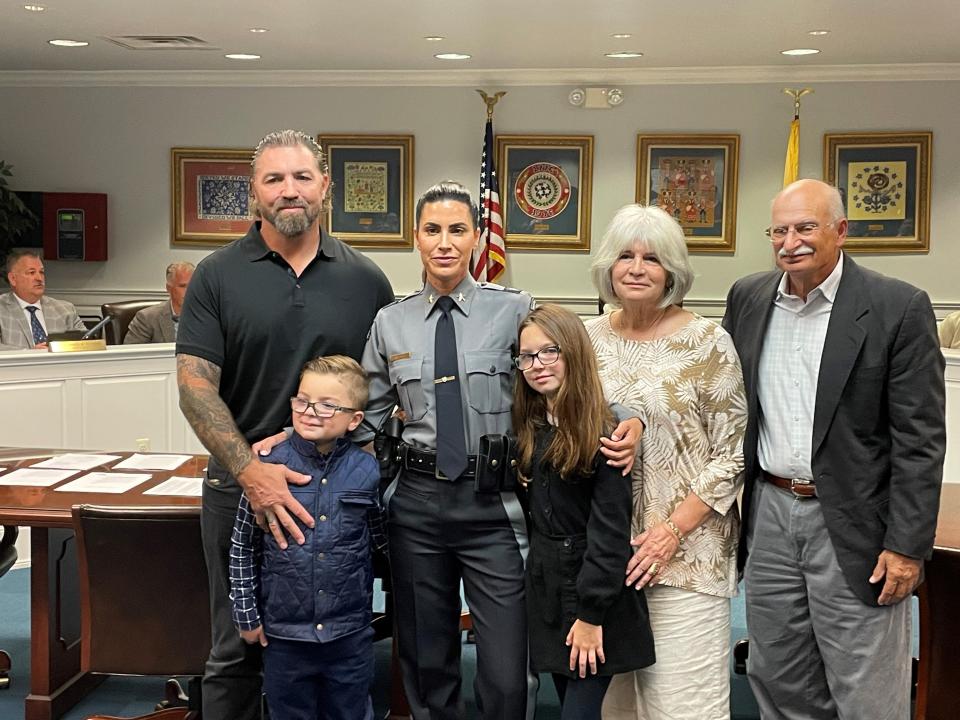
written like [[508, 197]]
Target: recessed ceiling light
[[818, 33], [452, 56], [68, 43], [799, 51], [259, 30], [624, 54], [434, 38], [621, 36], [241, 56], [34, 8]]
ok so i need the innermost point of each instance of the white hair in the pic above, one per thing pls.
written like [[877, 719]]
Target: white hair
[[660, 234]]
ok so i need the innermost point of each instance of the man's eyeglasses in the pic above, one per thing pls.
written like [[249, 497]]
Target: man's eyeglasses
[[803, 230], [547, 356], [320, 408]]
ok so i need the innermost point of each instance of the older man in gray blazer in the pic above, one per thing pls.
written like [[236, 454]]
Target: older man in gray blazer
[[27, 316], [844, 458], [158, 324]]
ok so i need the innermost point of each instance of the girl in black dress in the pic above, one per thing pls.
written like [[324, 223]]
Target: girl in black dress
[[585, 624]]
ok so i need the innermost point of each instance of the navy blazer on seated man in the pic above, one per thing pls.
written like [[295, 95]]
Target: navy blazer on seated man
[[27, 282]]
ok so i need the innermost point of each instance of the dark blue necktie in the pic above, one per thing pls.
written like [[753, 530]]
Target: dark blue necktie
[[39, 334], [451, 445]]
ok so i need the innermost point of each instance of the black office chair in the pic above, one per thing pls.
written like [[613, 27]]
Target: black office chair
[[8, 556], [122, 313], [130, 558]]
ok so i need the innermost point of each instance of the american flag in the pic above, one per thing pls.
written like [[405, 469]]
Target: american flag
[[490, 257]]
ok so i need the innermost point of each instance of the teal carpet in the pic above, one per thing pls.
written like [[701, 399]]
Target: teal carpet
[[132, 696]]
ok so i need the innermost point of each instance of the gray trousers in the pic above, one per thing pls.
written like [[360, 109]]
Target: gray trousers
[[816, 651], [232, 679]]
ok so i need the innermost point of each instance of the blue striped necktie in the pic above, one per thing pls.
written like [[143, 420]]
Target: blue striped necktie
[[39, 334]]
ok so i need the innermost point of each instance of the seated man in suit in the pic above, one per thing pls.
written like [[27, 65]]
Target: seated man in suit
[[27, 316], [159, 323]]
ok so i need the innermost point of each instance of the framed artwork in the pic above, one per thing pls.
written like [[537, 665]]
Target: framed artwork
[[546, 186], [372, 189], [693, 178], [884, 179], [210, 195]]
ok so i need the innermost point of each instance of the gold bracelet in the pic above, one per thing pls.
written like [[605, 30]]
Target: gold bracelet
[[675, 530]]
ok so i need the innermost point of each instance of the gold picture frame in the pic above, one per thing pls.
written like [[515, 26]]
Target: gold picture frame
[[694, 178], [209, 195], [546, 191], [885, 176], [372, 189]]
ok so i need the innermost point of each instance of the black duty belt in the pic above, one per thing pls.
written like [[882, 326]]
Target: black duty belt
[[424, 462]]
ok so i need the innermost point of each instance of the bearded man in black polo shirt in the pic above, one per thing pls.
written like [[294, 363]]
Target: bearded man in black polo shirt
[[255, 312]]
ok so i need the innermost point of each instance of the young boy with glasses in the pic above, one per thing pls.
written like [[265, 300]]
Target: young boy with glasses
[[310, 605]]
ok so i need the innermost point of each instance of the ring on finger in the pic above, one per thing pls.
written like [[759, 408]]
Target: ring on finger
[[654, 568]]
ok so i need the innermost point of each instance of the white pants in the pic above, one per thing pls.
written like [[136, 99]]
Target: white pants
[[691, 677]]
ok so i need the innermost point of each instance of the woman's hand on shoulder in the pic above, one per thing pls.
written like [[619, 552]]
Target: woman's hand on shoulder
[[620, 448]]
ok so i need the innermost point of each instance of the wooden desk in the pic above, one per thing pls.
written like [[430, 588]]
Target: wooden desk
[[939, 671], [56, 683]]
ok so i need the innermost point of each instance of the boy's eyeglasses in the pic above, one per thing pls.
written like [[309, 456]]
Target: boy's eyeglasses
[[320, 408], [546, 356]]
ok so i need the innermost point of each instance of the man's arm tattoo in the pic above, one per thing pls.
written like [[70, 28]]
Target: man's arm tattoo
[[208, 415]]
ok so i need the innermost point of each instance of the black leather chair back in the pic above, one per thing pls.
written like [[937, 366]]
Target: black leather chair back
[[122, 313]]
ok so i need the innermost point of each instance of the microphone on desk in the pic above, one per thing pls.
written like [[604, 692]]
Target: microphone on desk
[[93, 331]]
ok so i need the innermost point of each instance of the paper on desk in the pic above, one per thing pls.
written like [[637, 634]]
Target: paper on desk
[[38, 478], [77, 461], [102, 482], [181, 486], [152, 462]]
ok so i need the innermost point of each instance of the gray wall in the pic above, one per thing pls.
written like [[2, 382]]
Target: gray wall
[[117, 140]]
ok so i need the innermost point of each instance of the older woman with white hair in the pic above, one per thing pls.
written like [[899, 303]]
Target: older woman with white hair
[[682, 373]]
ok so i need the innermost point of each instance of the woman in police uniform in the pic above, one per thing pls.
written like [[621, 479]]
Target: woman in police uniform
[[446, 529]]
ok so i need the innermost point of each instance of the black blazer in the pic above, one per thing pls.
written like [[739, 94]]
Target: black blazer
[[879, 433]]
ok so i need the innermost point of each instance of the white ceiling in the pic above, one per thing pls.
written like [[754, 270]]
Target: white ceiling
[[367, 37]]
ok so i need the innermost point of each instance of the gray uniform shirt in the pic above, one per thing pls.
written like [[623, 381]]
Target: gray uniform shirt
[[399, 360]]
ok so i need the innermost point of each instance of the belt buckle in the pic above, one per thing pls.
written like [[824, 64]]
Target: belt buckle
[[438, 473], [796, 483]]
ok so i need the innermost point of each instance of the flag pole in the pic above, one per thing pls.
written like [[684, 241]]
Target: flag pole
[[490, 256], [791, 164]]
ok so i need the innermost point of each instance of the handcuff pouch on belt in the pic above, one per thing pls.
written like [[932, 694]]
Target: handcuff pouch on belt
[[386, 447], [496, 464]]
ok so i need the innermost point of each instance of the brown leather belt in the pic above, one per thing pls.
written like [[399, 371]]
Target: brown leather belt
[[799, 488]]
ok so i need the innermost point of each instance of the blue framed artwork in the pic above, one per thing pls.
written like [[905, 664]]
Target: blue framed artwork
[[884, 180], [694, 179], [546, 187], [210, 195], [371, 189]]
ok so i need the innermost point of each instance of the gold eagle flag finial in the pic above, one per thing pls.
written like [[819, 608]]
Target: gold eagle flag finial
[[796, 94], [491, 101]]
